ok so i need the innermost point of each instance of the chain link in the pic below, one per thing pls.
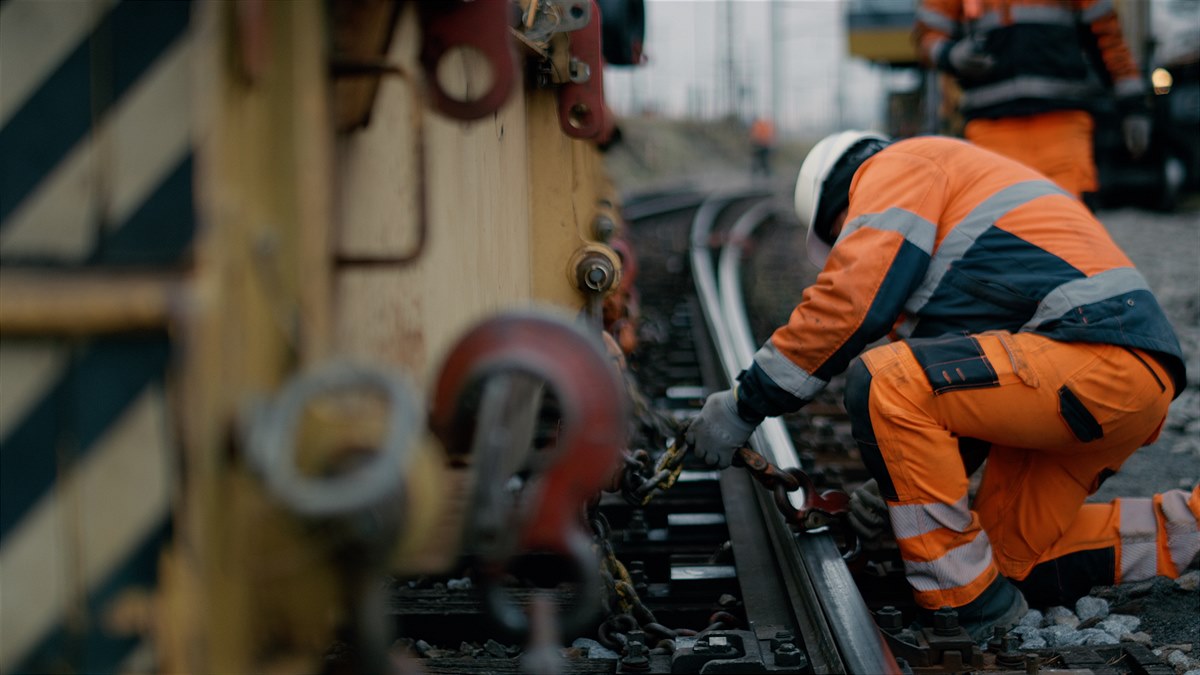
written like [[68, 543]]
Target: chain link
[[819, 510], [631, 613], [766, 473], [641, 482]]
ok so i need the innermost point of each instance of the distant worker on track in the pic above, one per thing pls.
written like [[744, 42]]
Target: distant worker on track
[[762, 141], [1027, 81], [1019, 329]]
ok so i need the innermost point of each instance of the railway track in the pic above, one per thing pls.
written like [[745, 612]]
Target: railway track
[[793, 592], [703, 572]]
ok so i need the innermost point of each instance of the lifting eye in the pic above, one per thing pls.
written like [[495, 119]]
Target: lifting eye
[[354, 487], [464, 74], [467, 56]]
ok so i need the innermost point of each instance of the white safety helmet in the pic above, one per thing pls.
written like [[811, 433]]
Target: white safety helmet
[[816, 168]]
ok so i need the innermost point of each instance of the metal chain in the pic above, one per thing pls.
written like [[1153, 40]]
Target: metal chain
[[819, 509], [766, 473], [666, 472], [641, 483], [631, 613]]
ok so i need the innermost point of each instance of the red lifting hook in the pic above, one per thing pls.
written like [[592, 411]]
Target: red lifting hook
[[592, 409]]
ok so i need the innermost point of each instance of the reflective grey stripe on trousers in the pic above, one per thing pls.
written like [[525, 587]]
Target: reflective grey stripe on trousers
[[1139, 540]]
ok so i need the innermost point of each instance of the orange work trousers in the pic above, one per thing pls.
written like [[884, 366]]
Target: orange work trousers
[[1058, 144], [1059, 418]]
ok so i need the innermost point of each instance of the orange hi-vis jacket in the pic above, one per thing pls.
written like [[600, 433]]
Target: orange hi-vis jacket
[[943, 237], [1040, 61]]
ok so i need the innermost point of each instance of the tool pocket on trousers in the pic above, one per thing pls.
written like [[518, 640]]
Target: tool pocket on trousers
[[953, 363], [1080, 420], [1016, 356]]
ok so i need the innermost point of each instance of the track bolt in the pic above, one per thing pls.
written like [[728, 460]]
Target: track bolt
[[889, 619], [945, 622], [1009, 657], [638, 529], [637, 574], [788, 655], [998, 633], [635, 658]]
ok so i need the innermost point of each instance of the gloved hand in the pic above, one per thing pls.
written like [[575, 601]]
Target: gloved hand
[[718, 431], [1136, 130], [868, 512], [968, 60]]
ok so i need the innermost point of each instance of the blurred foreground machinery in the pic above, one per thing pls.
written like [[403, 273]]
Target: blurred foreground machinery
[[239, 243]]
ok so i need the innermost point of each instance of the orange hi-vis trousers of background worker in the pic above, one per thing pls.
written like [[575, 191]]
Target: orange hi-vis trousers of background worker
[[1057, 144], [1073, 412]]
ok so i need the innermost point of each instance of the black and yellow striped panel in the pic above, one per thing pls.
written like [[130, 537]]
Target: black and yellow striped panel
[[96, 171], [95, 132]]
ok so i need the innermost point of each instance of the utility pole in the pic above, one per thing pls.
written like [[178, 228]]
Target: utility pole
[[730, 79], [776, 65], [840, 66]]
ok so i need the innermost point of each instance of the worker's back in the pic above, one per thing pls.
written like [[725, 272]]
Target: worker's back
[[1004, 249]]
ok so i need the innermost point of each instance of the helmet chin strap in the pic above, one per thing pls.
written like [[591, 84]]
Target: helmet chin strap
[[835, 228]]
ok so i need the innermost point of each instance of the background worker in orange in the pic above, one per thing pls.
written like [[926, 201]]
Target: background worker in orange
[[1026, 332], [762, 140], [1027, 82]]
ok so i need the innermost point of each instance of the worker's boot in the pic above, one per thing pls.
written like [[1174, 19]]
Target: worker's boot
[[1000, 604]]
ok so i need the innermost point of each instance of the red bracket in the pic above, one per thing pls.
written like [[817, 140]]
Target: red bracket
[[582, 112], [482, 26]]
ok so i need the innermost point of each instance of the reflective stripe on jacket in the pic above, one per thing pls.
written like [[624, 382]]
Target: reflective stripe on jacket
[[1039, 50], [944, 237]]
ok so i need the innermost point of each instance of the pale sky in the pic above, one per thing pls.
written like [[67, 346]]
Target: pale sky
[[820, 88]]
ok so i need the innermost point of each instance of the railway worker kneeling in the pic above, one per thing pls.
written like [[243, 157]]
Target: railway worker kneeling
[[1018, 326]]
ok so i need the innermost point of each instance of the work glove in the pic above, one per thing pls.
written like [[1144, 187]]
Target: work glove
[[718, 431], [1136, 131], [868, 512], [968, 60]]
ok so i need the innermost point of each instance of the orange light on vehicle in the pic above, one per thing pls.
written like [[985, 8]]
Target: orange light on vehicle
[[1162, 81]]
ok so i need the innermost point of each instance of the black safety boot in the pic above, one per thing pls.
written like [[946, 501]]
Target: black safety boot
[[1000, 604]]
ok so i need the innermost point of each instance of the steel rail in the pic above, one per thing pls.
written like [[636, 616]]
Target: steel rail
[[812, 557], [722, 301], [771, 438], [654, 206]]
